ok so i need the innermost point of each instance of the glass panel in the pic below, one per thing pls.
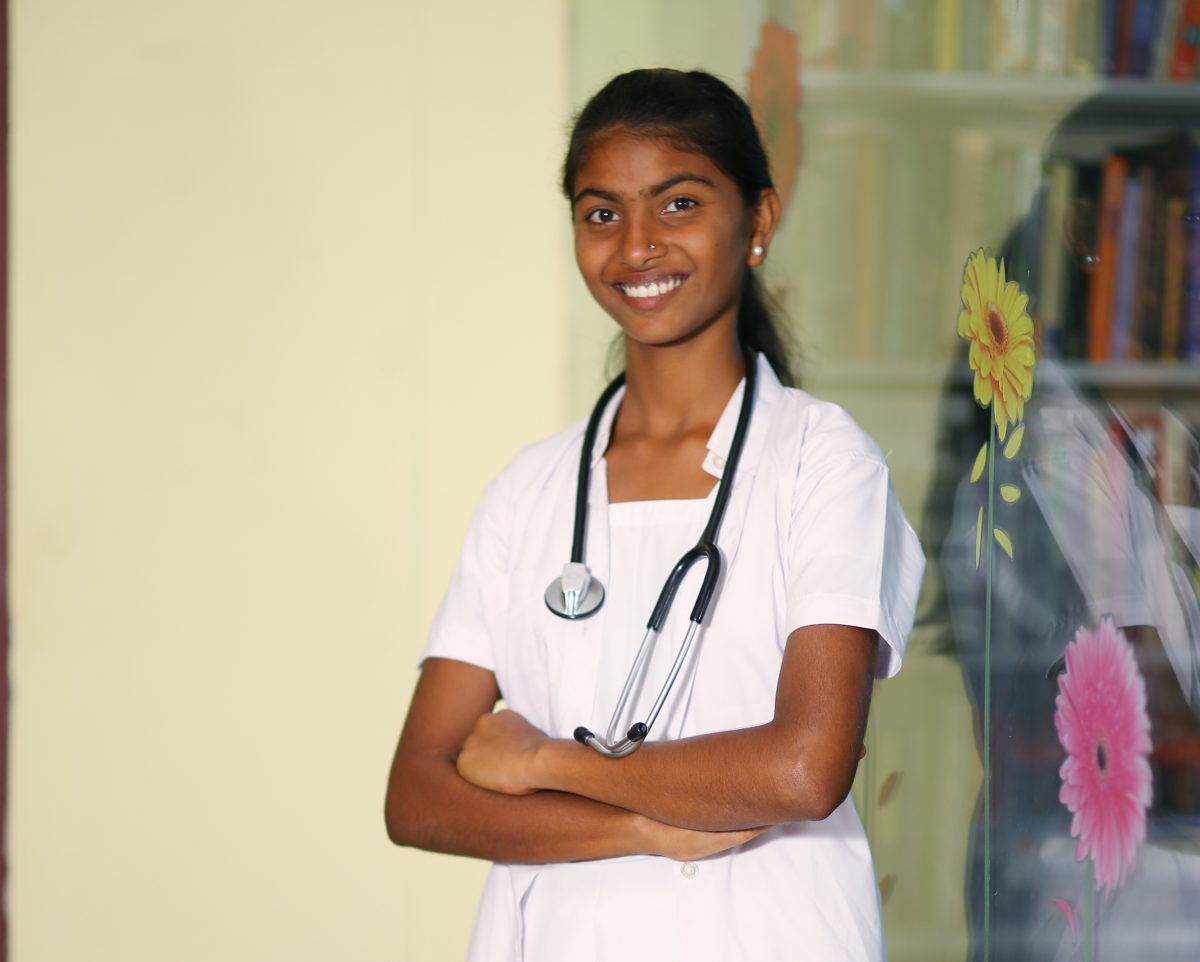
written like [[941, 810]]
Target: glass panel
[[1059, 139]]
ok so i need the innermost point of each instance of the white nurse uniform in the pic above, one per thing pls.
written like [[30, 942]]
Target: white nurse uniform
[[813, 534]]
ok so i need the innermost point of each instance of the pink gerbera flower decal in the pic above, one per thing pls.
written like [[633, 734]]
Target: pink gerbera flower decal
[[1100, 716]]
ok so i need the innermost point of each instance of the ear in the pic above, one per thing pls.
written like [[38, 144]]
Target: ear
[[764, 218]]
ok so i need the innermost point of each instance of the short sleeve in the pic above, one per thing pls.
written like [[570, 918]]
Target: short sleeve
[[853, 557], [475, 603]]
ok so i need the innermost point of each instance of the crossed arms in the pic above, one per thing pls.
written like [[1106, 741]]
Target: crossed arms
[[472, 782]]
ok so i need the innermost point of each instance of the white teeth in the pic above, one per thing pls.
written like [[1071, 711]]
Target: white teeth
[[653, 289]]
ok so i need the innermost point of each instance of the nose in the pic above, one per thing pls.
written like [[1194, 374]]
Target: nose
[[638, 244]]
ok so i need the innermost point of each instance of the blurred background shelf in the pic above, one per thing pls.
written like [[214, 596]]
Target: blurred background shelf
[[883, 375], [1016, 95]]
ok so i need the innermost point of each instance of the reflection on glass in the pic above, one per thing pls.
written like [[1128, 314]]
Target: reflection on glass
[[1100, 526]]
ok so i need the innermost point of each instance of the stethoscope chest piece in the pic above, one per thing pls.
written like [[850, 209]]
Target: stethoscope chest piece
[[575, 594]]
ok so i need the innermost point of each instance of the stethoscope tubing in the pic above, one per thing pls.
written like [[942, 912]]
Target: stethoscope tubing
[[705, 549], [585, 467]]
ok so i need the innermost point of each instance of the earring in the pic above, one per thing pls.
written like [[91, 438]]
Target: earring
[[758, 250]]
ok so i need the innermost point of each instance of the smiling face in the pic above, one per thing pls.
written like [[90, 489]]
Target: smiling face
[[663, 237]]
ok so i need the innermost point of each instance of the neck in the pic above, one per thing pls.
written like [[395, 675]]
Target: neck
[[680, 388]]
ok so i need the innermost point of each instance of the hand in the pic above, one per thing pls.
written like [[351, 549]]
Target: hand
[[499, 753], [686, 844]]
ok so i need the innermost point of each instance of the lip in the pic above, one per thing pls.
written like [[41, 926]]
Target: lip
[[654, 301]]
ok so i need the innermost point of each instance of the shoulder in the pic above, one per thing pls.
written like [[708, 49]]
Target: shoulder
[[536, 466], [819, 432], [546, 456]]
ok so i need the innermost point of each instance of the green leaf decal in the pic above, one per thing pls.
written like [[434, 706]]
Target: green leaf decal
[[1010, 492], [1003, 540], [1014, 442], [980, 463]]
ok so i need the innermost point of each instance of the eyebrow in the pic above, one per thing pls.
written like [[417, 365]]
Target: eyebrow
[[655, 190]]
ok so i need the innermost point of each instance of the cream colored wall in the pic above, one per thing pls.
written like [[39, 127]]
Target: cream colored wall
[[274, 269]]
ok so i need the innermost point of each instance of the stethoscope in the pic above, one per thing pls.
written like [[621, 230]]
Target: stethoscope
[[577, 594]]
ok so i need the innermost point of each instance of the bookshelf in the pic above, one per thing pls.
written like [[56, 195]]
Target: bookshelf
[[1014, 95], [921, 167], [1168, 379]]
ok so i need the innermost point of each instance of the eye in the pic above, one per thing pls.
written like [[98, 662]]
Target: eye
[[601, 215], [680, 204]]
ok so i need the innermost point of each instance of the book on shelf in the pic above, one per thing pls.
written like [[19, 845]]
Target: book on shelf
[[1118, 245], [1122, 345], [1053, 283], [1083, 31], [1012, 37], [1051, 39], [1191, 260], [1164, 49], [849, 251], [1148, 320], [1114, 37], [1186, 34], [1108, 249], [1100, 296], [822, 25], [1144, 31], [1174, 246]]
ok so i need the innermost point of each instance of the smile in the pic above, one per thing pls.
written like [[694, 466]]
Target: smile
[[655, 288]]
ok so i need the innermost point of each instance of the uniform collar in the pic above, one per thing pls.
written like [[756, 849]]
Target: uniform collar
[[719, 441]]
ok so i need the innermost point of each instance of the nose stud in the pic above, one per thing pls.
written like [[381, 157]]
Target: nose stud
[[654, 247]]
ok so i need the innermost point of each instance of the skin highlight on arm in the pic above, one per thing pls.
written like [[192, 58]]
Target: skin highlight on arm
[[430, 806], [799, 766]]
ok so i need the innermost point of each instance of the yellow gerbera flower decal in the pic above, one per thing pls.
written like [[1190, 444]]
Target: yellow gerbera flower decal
[[993, 318]]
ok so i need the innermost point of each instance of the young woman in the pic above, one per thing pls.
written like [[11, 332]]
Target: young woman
[[728, 834]]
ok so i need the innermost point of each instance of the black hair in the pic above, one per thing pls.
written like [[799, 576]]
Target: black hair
[[701, 114]]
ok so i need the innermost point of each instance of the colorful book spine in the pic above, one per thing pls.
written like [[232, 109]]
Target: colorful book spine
[[1143, 29], [852, 18], [1052, 273], [975, 43], [1050, 55], [867, 28], [1165, 43], [1191, 283], [1174, 253], [1084, 32], [947, 36], [818, 30], [1081, 232], [1115, 36], [1099, 318], [1126, 284], [1187, 39], [1148, 324], [1012, 33]]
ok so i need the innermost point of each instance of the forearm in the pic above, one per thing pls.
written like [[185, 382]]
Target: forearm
[[434, 808], [718, 782], [799, 766]]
